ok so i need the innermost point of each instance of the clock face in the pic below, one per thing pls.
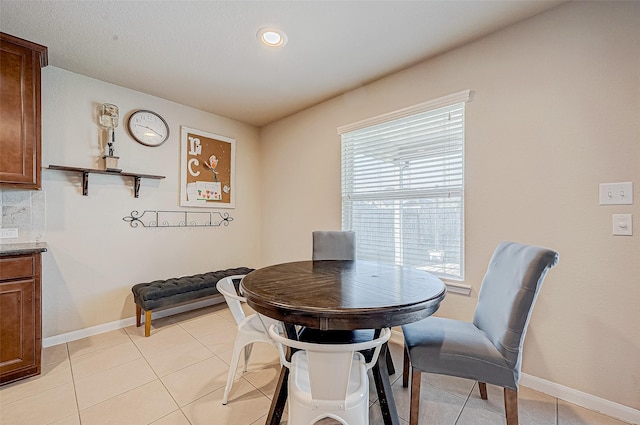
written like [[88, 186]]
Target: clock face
[[148, 128]]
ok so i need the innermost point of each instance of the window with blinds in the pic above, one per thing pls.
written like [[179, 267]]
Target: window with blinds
[[403, 186]]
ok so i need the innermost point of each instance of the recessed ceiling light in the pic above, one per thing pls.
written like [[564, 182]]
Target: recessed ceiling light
[[272, 37]]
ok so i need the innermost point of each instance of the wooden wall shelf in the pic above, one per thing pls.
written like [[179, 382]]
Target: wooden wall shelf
[[86, 171]]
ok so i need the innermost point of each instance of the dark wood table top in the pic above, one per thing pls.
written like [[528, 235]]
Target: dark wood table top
[[343, 295]]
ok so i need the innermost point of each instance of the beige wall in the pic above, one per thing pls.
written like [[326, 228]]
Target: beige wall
[[94, 256], [555, 113]]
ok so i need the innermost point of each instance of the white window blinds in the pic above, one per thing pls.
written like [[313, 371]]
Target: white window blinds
[[403, 188]]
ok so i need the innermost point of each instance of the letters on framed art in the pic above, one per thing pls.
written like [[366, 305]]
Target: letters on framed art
[[207, 169]]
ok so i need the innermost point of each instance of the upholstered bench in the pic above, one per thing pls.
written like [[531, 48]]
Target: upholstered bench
[[171, 292]]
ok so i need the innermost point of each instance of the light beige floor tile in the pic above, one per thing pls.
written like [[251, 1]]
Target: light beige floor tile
[[375, 416], [101, 360], [140, 406], [173, 418], [571, 414], [168, 361], [247, 406], [264, 379], [457, 386], [42, 408], [205, 325], [55, 354], [53, 375], [195, 381], [69, 420], [128, 392], [478, 416], [97, 342], [228, 316], [262, 354], [104, 385], [536, 408], [263, 369], [163, 339], [263, 420], [221, 337], [494, 401], [219, 307], [197, 313], [436, 405]]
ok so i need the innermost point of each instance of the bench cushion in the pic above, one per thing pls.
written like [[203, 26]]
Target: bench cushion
[[164, 293]]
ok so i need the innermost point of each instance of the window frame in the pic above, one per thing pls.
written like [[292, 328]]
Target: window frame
[[425, 107]]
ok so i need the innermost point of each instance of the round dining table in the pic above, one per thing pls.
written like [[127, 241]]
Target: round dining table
[[337, 295]]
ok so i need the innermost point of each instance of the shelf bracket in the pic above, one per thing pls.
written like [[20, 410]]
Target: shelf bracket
[[85, 183], [136, 186]]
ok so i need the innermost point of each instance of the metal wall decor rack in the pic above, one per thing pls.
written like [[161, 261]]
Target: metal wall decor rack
[[178, 219]]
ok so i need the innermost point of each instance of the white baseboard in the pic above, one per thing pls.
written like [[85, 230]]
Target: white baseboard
[[119, 324], [588, 401]]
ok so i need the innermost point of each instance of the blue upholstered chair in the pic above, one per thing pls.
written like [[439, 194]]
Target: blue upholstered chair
[[489, 349]]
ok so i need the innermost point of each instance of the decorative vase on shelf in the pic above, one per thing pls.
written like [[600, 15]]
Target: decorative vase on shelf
[[108, 119]]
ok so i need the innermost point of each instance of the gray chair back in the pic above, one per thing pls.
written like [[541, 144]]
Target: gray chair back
[[334, 245], [508, 293]]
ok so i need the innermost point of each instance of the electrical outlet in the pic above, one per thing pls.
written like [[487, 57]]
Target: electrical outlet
[[11, 233]]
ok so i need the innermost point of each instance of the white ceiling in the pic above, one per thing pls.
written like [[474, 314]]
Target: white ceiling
[[205, 54]]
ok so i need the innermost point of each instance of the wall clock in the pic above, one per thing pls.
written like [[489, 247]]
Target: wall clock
[[148, 128]]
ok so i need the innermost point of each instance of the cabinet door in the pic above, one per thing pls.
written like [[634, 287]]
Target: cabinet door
[[17, 329], [20, 111]]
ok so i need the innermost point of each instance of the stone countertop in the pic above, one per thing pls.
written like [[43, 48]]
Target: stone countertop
[[22, 248]]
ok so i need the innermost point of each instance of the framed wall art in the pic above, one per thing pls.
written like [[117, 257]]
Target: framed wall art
[[207, 169]]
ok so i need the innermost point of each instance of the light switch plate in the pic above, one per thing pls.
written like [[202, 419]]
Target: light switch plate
[[622, 224], [616, 193]]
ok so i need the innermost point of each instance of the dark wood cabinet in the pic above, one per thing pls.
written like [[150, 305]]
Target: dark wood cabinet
[[20, 317], [20, 129]]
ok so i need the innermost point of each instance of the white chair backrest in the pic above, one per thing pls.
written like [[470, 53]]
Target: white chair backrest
[[228, 290], [328, 360]]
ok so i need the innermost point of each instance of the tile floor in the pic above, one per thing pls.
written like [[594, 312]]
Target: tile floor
[[177, 377]]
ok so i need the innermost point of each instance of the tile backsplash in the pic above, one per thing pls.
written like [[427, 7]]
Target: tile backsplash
[[23, 210]]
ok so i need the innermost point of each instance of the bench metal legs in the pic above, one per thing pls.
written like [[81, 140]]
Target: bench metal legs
[[147, 320]]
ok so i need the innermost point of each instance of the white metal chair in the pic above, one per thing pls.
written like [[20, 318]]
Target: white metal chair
[[328, 380], [252, 328]]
